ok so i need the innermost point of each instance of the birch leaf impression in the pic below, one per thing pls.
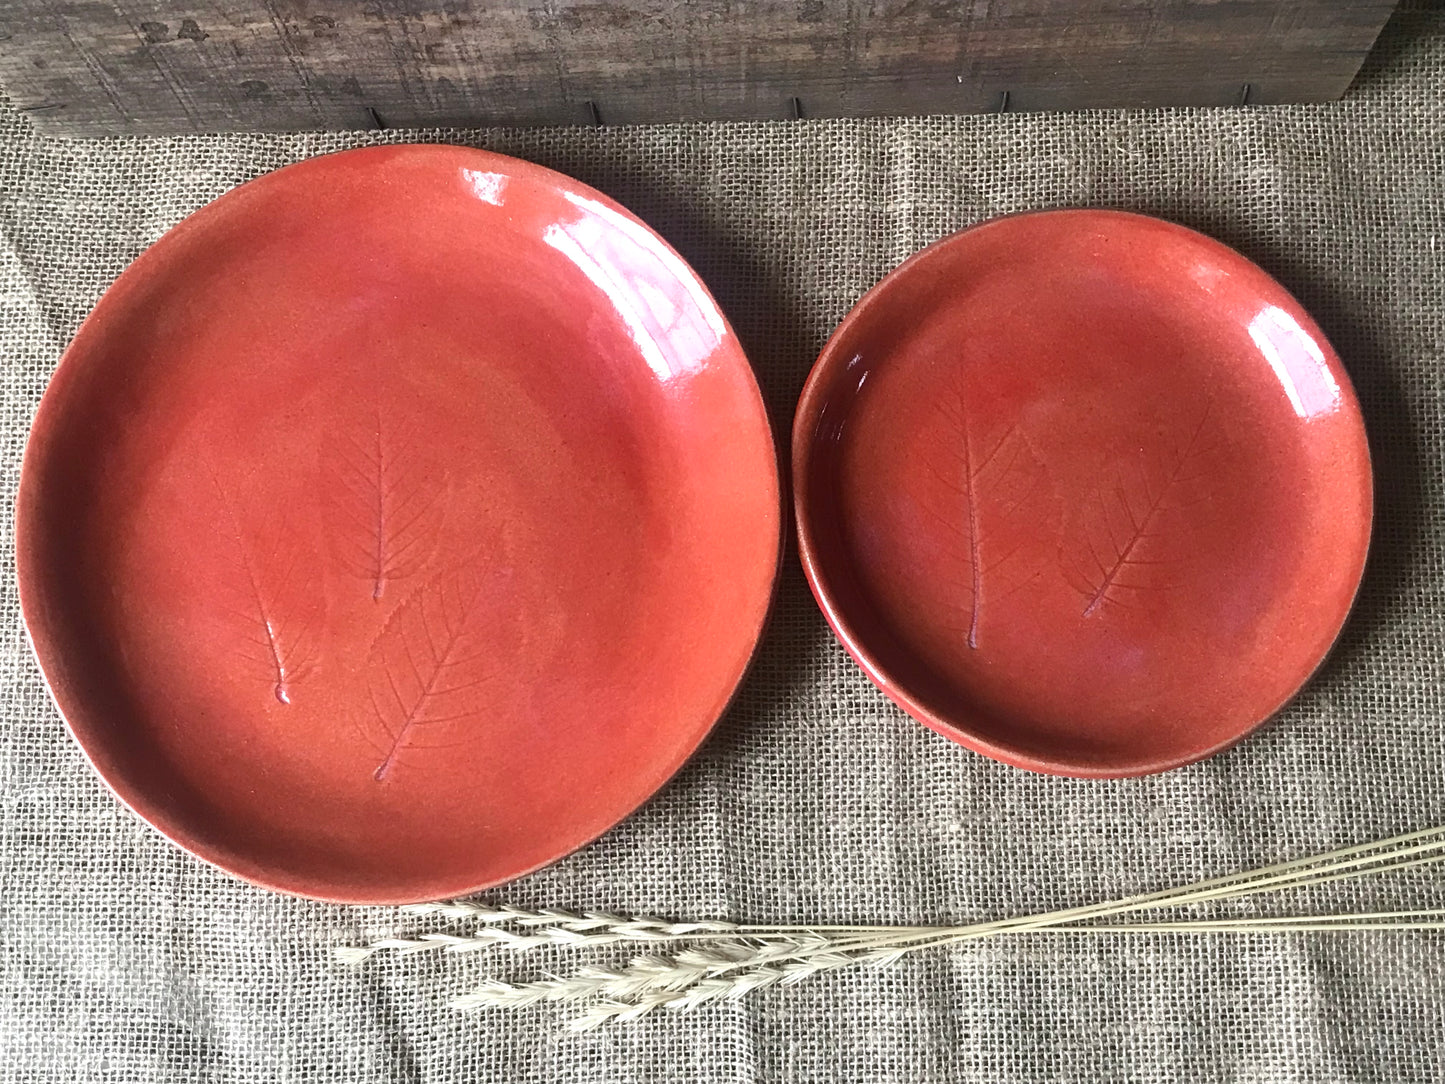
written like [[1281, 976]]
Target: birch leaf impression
[[427, 666], [268, 569], [988, 484], [388, 502], [1130, 535]]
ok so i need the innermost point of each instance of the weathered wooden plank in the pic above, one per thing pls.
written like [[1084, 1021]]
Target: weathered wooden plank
[[83, 67]]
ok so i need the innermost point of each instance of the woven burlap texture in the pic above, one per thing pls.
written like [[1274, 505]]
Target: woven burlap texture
[[121, 959]]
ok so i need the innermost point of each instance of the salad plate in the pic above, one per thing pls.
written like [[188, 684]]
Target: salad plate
[[1085, 491]]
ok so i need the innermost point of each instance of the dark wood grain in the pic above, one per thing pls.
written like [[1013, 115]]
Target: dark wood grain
[[83, 67]]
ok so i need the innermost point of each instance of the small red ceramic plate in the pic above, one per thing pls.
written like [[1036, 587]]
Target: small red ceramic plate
[[1084, 491], [397, 524]]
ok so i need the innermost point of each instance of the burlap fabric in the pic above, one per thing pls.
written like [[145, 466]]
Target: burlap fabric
[[123, 960]]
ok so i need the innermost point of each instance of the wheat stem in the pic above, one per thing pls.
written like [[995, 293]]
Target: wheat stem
[[734, 959], [717, 986], [895, 940], [552, 926], [888, 945]]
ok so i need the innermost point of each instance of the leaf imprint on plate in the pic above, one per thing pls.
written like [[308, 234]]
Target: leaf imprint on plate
[[388, 506], [265, 576], [994, 482], [427, 662], [1116, 547]]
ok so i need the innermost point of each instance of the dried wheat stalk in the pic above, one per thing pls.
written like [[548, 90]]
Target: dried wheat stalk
[[715, 960]]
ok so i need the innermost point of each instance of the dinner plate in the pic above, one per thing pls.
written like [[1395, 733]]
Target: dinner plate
[[398, 523], [1085, 491]]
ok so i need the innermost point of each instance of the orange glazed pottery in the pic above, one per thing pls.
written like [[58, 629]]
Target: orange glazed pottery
[[397, 524], [1085, 491]]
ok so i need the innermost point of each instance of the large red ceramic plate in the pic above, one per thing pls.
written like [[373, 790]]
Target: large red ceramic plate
[[1085, 491], [398, 523]]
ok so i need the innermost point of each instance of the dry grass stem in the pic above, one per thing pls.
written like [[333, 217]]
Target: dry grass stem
[[714, 960]]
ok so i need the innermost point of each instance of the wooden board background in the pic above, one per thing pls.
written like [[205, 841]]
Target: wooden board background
[[89, 67]]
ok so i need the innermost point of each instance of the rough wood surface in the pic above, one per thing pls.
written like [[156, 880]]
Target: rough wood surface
[[86, 67]]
